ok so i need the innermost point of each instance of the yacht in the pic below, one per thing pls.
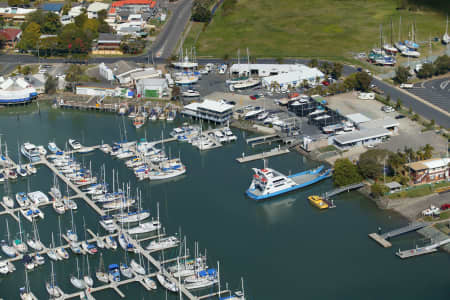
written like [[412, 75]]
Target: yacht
[[53, 148], [269, 183], [30, 151], [75, 144], [190, 93], [21, 171], [167, 283], [38, 197], [107, 222], [22, 199], [134, 216], [113, 273], [253, 113], [163, 243], [30, 169], [145, 227]]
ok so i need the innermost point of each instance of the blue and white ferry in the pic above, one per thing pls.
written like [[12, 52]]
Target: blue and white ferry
[[269, 183]]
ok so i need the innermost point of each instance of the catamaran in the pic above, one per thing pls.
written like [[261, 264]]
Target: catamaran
[[269, 183], [38, 197]]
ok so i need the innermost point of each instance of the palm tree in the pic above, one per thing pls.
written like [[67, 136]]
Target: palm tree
[[428, 151]]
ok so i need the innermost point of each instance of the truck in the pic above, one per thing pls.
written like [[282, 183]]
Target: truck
[[366, 96], [406, 86]]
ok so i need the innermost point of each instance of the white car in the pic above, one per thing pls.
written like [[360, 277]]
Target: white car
[[433, 210]]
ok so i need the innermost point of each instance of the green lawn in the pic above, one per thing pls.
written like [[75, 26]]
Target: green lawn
[[308, 28]]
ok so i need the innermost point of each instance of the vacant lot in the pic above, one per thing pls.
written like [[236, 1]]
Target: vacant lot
[[311, 28]]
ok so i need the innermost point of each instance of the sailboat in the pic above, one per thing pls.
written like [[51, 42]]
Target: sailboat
[[52, 289], [51, 253], [61, 251], [18, 244], [390, 48], [446, 37], [25, 293], [35, 242], [101, 274], [148, 281], [76, 281], [111, 243], [72, 233], [245, 82], [89, 248], [7, 200], [125, 269], [5, 245], [87, 277], [167, 283], [137, 267]]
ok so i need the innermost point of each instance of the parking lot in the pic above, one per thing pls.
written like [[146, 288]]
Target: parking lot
[[435, 91], [409, 134]]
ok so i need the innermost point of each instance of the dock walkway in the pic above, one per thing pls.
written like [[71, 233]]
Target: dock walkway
[[340, 190], [421, 250], [273, 152], [382, 239], [262, 138]]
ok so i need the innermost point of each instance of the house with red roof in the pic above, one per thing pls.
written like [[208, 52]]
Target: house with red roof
[[133, 7], [11, 36]]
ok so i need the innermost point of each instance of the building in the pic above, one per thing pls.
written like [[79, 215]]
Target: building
[[387, 123], [99, 89], [107, 44], [215, 111], [357, 118], [16, 91], [94, 8], [293, 79], [53, 7], [152, 88], [147, 73], [15, 14], [363, 137], [120, 71], [135, 6], [430, 170], [263, 70], [393, 187], [11, 36]]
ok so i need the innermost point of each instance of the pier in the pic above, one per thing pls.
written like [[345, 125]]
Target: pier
[[340, 190], [382, 238], [421, 250], [262, 138], [273, 152]]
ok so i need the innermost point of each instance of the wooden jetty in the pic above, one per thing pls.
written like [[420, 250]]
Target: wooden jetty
[[273, 152], [382, 238]]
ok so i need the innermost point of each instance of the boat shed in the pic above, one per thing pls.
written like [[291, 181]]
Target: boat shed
[[393, 187], [151, 87], [97, 89], [293, 79], [363, 137], [215, 111], [357, 118]]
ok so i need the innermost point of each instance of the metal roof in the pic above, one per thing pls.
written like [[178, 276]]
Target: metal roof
[[387, 122], [393, 185], [361, 135], [55, 7], [357, 118]]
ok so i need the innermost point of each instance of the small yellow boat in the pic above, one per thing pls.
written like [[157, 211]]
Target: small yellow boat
[[318, 202]]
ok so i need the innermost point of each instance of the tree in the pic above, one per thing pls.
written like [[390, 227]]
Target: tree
[[345, 172], [336, 71], [371, 162], [313, 63], [325, 67], [2, 22], [426, 71], [428, 151], [416, 117], [50, 85], [52, 24], [377, 190], [26, 70], [201, 14], [30, 37], [398, 105], [401, 75], [2, 41], [363, 81]]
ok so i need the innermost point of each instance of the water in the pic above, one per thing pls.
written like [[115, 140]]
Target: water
[[284, 248]]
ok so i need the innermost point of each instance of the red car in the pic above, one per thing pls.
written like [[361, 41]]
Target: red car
[[445, 206], [325, 83]]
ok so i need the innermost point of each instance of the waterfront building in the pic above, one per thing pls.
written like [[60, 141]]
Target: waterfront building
[[120, 71], [363, 137], [430, 170], [393, 187], [215, 111], [98, 89], [16, 91], [152, 87]]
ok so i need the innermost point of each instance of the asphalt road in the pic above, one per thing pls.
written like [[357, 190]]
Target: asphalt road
[[435, 91], [416, 105]]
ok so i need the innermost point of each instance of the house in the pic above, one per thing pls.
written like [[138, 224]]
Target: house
[[151, 87], [393, 187], [430, 170], [107, 43], [11, 36], [15, 14], [135, 6], [216, 111], [53, 7], [95, 8]]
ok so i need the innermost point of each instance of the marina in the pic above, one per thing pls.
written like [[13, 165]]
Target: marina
[[182, 203]]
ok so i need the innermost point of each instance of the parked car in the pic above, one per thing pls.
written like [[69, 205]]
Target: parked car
[[387, 109], [433, 210], [400, 117], [445, 206], [325, 83]]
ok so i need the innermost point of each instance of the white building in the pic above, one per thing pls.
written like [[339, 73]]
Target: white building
[[293, 79], [95, 8], [120, 71], [263, 70], [363, 137], [98, 89], [210, 110], [147, 73], [152, 87], [16, 90]]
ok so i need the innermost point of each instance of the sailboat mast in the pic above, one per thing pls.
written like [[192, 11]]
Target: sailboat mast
[[392, 33], [400, 29]]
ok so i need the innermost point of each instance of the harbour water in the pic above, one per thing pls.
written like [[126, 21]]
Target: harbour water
[[284, 248]]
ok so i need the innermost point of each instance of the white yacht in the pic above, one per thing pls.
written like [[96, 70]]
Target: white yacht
[[190, 93], [74, 144], [107, 222], [52, 147], [145, 227], [30, 151], [38, 197], [163, 243]]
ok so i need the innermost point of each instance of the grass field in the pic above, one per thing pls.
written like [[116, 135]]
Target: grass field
[[308, 28]]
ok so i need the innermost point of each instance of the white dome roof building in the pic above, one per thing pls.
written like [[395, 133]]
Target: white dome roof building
[[16, 91]]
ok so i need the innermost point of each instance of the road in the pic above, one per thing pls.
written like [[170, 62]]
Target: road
[[436, 91]]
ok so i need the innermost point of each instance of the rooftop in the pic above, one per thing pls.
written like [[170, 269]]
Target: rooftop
[[429, 164], [357, 118], [109, 37], [54, 7], [134, 2], [393, 185], [361, 135], [10, 33], [97, 6], [387, 122], [215, 106]]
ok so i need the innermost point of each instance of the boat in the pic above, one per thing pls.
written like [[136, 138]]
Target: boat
[[87, 277], [107, 222], [52, 253], [28, 262], [32, 213], [318, 202], [6, 247], [167, 283], [76, 281], [31, 152], [69, 203], [53, 148], [11, 174], [18, 243], [139, 121], [75, 247], [245, 84], [89, 248], [86, 295], [134, 216], [145, 227], [137, 268], [117, 204], [186, 79], [61, 251], [38, 197], [253, 113], [113, 273], [124, 244], [269, 183], [100, 242], [163, 243], [184, 62], [24, 292], [150, 283], [125, 270], [111, 242], [168, 169], [75, 144], [190, 93], [446, 37], [52, 288], [30, 169], [35, 242], [101, 274], [8, 201], [4, 268], [410, 53], [22, 199], [59, 207], [21, 171]]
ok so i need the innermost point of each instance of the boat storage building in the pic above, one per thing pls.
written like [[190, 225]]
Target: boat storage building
[[16, 91]]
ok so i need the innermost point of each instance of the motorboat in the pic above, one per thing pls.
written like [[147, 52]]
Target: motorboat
[[70, 204], [72, 235], [111, 243], [62, 253], [163, 243], [75, 144], [145, 227], [32, 213], [318, 202], [22, 199], [38, 259], [100, 242], [30, 151], [8, 201], [150, 283], [89, 248], [38, 197], [269, 183], [125, 270], [30, 169], [53, 148], [59, 207], [75, 247], [21, 171], [190, 93], [107, 222], [113, 273]]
